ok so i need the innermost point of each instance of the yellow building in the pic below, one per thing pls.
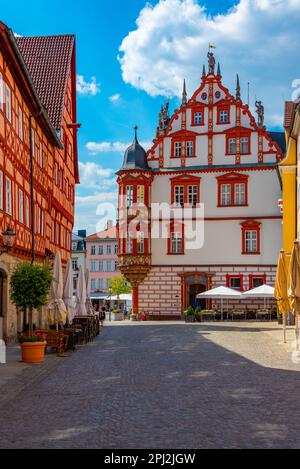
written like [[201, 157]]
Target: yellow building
[[289, 169]]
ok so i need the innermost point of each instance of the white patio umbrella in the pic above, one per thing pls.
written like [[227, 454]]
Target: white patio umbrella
[[80, 307], [263, 291], [68, 292], [221, 293], [57, 312], [89, 306]]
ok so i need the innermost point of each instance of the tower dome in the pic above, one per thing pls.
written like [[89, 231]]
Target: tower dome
[[135, 156]]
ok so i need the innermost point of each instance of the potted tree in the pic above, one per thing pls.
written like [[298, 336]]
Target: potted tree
[[118, 286], [29, 288], [189, 314]]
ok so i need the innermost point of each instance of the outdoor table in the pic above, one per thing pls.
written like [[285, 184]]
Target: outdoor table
[[263, 313], [87, 324]]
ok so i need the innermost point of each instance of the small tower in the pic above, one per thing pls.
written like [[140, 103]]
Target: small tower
[[203, 73], [219, 70], [238, 89], [184, 95]]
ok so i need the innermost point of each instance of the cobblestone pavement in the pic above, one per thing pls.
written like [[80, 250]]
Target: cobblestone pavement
[[212, 385]]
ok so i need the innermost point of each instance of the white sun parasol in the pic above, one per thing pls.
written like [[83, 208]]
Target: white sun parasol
[[81, 294], [68, 292], [57, 312]]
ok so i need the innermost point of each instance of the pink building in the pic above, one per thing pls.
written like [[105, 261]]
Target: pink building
[[102, 257]]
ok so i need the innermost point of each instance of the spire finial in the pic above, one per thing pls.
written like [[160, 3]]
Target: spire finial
[[135, 134], [203, 72], [219, 70], [238, 89], [184, 95]]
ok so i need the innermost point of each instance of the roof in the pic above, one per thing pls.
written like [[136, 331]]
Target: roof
[[75, 237], [48, 60], [135, 156], [289, 107], [279, 137], [110, 233]]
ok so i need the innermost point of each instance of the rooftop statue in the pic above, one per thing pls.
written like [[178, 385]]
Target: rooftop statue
[[260, 110], [211, 62]]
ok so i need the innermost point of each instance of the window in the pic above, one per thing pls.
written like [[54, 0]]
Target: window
[[140, 242], [225, 194], [20, 123], [1, 190], [176, 242], [178, 149], [223, 116], [232, 146], [116, 249], [1, 92], [235, 282], [8, 102], [190, 148], [21, 206], [232, 190], [129, 244], [8, 196], [193, 195], [93, 284], [108, 249], [140, 194], [250, 237], [74, 263], [33, 142], [108, 266], [100, 283], [244, 145], [179, 196], [257, 280], [57, 234], [41, 154], [93, 266], [53, 231], [129, 196], [27, 220], [100, 249], [93, 250], [251, 241], [239, 194], [198, 118], [116, 266], [100, 265], [67, 189], [56, 173]]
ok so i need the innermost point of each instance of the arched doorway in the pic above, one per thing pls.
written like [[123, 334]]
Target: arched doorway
[[193, 283]]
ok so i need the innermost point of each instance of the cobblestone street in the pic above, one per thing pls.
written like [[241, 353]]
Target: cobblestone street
[[213, 385]]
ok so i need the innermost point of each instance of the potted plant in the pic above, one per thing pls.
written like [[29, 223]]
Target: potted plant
[[116, 315], [197, 314], [29, 288], [189, 314]]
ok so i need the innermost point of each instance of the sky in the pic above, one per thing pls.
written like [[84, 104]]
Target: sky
[[132, 56]]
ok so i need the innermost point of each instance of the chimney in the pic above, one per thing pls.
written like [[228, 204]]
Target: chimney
[[109, 224]]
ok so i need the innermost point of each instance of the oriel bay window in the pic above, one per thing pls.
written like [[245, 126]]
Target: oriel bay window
[[140, 198], [140, 242], [129, 196], [232, 190], [250, 237]]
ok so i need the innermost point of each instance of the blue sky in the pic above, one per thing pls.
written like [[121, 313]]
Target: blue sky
[[158, 44]]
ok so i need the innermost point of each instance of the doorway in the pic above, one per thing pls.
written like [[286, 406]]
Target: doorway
[[193, 292]]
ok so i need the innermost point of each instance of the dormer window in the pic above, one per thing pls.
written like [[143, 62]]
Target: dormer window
[[198, 118], [198, 115], [223, 114]]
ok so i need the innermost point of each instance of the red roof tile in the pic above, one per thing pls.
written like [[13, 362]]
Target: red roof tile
[[48, 60], [110, 233], [288, 113]]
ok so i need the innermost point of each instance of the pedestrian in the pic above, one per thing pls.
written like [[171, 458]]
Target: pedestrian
[[102, 315]]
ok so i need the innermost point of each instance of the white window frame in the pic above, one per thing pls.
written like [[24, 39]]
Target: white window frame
[[108, 266], [93, 266], [198, 118], [21, 206], [41, 153], [178, 149], [179, 196], [8, 103], [27, 213], [193, 195], [32, 136], [190, 148], [1, 190], [1, 92], [140, 194], [226, 195], [8, 195], [129, 196], [232, 146], [93, 284], [240, 193], [244, 145], [129, 244], [224, 116], [251, 241], [176, 242], [140, 242], [20, 123]]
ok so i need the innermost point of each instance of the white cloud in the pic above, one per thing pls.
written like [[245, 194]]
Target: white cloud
[[87, 88], [256, 38], [105, 147], [115, 97], [93, 176]]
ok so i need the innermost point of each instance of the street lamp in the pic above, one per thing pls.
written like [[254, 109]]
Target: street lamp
[[8, 240], [110, 292]]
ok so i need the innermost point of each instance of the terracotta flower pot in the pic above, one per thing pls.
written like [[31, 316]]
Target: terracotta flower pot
[[33, 352]]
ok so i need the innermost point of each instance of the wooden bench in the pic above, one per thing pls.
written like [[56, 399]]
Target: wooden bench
[[56, 339]]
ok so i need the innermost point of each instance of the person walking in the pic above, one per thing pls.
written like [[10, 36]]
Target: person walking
[[102, 315]]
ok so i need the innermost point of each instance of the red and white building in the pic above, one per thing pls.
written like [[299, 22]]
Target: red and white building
[[211, 151]]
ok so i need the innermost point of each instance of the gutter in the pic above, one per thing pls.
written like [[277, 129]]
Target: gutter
[[42, 110]]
